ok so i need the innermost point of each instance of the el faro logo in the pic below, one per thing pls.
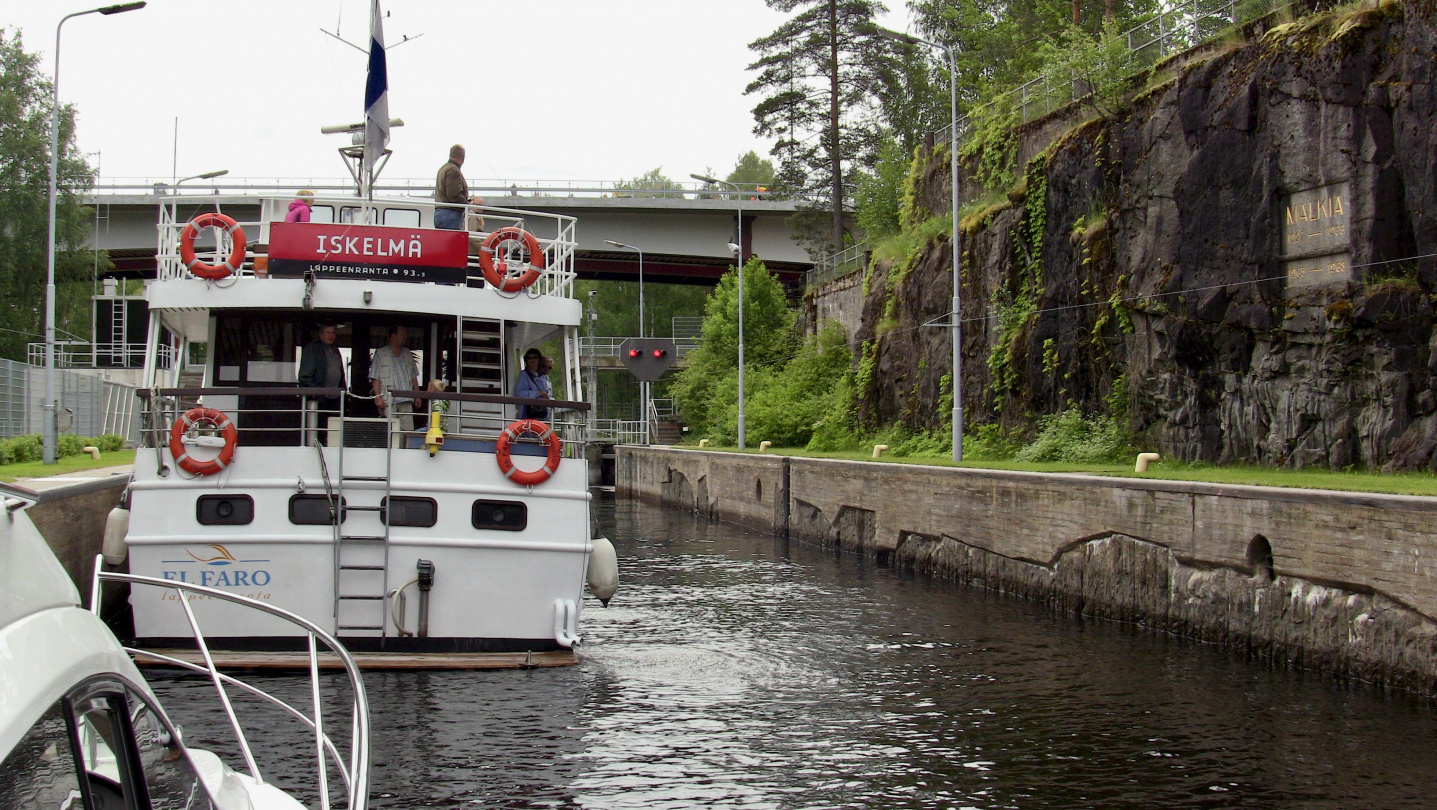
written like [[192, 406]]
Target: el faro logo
[[217, 566]]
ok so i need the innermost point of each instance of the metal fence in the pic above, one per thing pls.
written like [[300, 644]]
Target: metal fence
[[1156, 38], [91, 405], [849, 260]]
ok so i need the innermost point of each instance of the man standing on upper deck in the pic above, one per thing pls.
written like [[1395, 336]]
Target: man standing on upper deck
[[450, 187]]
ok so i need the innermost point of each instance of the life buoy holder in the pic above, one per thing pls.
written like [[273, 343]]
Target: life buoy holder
[[214, 272], [496, 268], [510, 435], [183, 425]]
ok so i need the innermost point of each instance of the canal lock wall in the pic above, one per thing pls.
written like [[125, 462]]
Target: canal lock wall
[[1343, 583]]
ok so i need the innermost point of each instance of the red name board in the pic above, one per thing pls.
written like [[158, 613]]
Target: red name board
[[368, 252]]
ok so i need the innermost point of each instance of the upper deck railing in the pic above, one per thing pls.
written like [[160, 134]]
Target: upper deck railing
[[554, 232], [421, 188]]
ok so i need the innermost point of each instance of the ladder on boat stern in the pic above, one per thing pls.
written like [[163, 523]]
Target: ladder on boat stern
[[361, 556]]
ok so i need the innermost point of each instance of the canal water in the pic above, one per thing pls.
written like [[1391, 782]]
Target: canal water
[[736, 670]]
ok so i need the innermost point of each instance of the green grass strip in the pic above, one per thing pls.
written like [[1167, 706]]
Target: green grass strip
[[39, 469]]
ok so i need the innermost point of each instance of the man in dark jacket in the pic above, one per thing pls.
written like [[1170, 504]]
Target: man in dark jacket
[[322, 366], [450, 187]]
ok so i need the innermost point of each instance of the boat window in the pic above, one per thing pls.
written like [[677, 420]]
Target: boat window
[[314, 510], [504, 516], [101, 735], [224, 510], [40, 770], [401, 217], [421, 512], [355, 214], [169, 777], [321, 213]]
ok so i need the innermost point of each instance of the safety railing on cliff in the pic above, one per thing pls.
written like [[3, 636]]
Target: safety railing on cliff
[[1162, 35], [852, 259]]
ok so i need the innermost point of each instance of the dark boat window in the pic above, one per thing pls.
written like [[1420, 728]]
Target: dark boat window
[[504, 516], [313, 510], [421, 512], [224, 510]]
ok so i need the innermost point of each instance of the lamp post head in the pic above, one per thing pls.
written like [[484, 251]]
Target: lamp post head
[[704, 178], [209, 175], [121, 8]]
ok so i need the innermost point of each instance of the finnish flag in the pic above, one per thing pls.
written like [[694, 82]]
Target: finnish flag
[[376, 93]]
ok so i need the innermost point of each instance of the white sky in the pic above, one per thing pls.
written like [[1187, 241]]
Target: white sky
[[537, 89]]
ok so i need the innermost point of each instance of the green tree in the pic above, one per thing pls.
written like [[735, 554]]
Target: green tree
[[651, 183], [617, 303], [819, 77], [1102, 65], [768, 339], [879, 199], [25, 108], [999, 41], [752, 170]]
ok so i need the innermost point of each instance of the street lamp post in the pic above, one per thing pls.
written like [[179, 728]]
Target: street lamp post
[[643, 333], [739, 251], [205, 176], [955, 319], [48, 428]]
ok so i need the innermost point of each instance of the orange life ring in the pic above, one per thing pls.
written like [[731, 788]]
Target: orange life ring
[[214, 272], [497, 273], [183, 425], [510, 435]]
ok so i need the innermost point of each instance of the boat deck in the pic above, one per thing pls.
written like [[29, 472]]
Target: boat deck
[[241, 659]]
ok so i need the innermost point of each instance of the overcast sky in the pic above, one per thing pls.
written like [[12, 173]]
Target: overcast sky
[[538, 89]]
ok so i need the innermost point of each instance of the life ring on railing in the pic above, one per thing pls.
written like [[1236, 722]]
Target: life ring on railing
[[510, 435], [214, 272], [183, 425], [497, 272]]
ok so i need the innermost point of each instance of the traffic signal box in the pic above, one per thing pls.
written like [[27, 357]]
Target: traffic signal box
[[648, 358]]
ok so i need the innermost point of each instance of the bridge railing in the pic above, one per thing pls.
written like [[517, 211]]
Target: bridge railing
[[423, 188]]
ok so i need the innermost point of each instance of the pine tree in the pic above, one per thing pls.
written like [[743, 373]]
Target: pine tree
[[820, 75]]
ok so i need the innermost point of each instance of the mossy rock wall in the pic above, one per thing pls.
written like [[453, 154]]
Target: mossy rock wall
[[1147, 249]]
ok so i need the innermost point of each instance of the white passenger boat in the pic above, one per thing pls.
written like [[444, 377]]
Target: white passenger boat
[[80, 728], [465, 530]]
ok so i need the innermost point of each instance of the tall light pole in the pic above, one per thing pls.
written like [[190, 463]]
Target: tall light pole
[[643, 332], [205, 176], [738, 195], [955, 320], [48, 428]]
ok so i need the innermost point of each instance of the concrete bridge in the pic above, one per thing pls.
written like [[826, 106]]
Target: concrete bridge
[[683, 239]]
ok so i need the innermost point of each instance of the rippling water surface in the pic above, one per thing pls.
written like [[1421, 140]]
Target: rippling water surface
[[738, 670]]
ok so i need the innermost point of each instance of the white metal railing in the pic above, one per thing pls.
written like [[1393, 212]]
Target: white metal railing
[[554, 232], [84, 354], [851, 259], [355, 772], [1166, 33], [610, 346], [619, 431], [418, 188]]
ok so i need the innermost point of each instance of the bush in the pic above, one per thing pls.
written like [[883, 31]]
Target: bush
[[109, 443], [26, 448], [68, 444], [1071, 438], [989, 443]]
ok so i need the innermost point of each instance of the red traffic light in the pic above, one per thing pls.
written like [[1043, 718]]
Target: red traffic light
[[659, 352], [633, 352]]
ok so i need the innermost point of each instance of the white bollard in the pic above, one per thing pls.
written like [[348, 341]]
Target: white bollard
[[93, 451], [878, 450], [1144, 459], [763, 446], [703, 442]]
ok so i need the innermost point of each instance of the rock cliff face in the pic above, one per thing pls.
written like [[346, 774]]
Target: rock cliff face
[[1241, 261]]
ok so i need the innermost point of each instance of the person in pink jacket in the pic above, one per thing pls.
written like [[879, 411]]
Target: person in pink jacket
[[299, 207]]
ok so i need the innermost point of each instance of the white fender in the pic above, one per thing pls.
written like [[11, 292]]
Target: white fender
[[603, 570], [117, 526], [566, 622]]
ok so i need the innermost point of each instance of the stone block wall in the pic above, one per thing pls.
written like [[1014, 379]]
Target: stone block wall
[[1341, 582]]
